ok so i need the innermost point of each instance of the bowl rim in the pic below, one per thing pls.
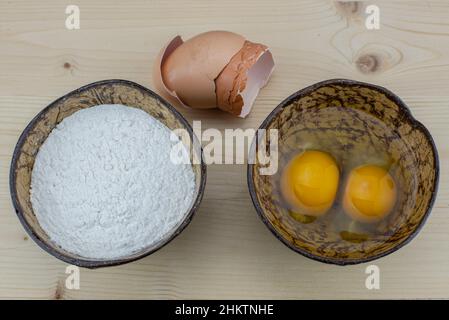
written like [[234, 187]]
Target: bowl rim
[[91, 263], [414, 122]]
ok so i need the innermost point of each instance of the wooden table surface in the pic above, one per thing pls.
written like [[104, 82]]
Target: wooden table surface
[[226, 252]]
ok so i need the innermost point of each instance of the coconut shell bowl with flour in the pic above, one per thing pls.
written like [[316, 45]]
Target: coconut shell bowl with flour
[[356, 123], [103, 92]]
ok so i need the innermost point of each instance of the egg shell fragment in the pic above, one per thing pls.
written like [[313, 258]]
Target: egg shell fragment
[[239, 83], [158, 82], [213, 69], [190, 70]]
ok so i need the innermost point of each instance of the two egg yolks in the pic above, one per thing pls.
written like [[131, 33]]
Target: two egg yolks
[[370, 193], [309, 184]]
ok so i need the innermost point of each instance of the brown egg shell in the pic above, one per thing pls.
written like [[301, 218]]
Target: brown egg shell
[[189, 72], [158, 81], [239, 83], [213, 69]]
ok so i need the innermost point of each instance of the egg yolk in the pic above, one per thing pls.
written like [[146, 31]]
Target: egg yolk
[[309, 182], [370, 193]]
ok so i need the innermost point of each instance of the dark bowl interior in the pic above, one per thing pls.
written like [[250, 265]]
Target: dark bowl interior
[[361, 119], [102, 92]]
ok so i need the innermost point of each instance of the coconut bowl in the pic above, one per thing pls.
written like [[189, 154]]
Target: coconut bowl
[[361, 118], [102, 92]]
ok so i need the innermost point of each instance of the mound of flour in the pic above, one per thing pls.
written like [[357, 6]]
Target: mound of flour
[[103, 185]]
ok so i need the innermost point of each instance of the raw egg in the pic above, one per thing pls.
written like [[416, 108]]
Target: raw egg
[[370, 193], [309, 182], [215, 69]]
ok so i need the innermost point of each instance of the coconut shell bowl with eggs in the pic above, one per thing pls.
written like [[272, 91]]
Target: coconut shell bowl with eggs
[[102, 92], [355, 124]]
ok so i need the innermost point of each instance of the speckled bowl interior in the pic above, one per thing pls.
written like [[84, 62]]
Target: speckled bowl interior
[[384, 123], [103, 92]]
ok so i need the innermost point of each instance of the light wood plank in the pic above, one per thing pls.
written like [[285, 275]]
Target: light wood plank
[[226, 252]]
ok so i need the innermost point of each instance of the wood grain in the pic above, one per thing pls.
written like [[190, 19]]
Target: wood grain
[[226, 252]]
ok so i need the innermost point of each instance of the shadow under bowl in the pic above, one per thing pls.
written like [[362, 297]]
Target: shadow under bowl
[[103, 92], [359, 120]]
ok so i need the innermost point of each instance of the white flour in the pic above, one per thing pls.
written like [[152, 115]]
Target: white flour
[[103, 185]]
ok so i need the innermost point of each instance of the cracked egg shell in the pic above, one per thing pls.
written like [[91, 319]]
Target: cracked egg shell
[[157, 71], [213, 69], [239, 83]]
